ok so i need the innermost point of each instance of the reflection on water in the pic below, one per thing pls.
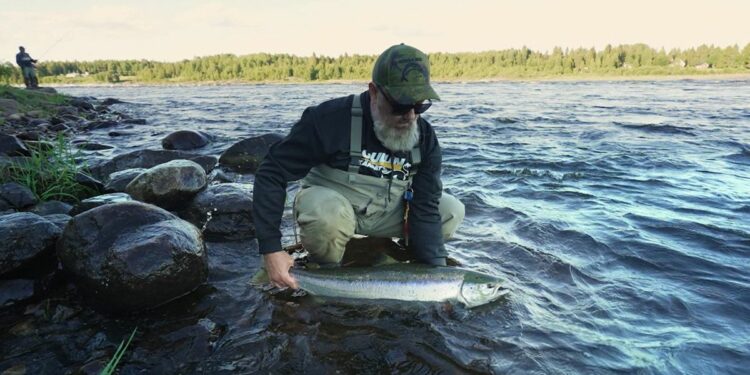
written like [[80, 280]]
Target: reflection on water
[[617, 211]]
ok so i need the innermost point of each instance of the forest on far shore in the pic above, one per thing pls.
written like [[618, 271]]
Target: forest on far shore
[[523, 63]]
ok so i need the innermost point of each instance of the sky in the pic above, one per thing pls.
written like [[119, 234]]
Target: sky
[[172, 30]]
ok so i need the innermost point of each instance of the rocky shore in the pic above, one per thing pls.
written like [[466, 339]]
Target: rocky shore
[[135, 243]]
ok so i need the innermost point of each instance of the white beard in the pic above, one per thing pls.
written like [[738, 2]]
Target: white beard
[[395, 139]]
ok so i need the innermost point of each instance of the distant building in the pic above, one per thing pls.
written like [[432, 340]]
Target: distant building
[[74, 75], [703, 66], [679, 63]]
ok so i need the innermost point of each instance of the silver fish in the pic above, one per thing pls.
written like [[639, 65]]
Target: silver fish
[[404, 282]]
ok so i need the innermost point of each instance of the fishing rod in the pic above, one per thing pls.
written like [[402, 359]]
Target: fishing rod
[[57, 41]]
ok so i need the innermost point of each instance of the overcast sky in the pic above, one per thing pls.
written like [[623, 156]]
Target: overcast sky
[[172, 30]]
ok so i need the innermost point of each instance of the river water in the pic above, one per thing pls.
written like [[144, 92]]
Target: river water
[[618, 212]]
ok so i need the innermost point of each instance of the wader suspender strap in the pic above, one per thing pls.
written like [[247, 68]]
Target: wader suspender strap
[[355, 145]]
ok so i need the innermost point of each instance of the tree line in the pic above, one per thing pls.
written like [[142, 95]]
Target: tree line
[[633, 59]]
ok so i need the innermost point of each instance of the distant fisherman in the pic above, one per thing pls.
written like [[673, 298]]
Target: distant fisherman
[[27, 68], [369, 164]]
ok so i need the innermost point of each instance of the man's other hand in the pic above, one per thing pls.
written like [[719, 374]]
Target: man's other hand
[[277, 267]]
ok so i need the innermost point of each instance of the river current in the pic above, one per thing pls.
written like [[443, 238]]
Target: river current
[[618, 213]]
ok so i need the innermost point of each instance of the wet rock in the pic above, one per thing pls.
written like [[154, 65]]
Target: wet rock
[[17, 196], [12, 146], [60, 220], [117, 181], [59, 127], [28, 136], [15, 291], [34, 114], [94, 367], [134, 121], [37, 122], [110, 101], [224, 211], [88, 181], [93, 146], [132, 256], [119, 133], [196, 341], [185, 140], [217, 175], [67, 110], [51, 208], [17, 117], [168, 185], [101, 124], [82, 104], [148, 159], [25, 237], [99, 200], [246, 155]]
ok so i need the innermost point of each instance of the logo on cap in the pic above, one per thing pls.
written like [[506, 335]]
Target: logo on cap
[[411, 64]]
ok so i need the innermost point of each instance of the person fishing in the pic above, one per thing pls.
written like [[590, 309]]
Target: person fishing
[[370, 164], [27, 68]]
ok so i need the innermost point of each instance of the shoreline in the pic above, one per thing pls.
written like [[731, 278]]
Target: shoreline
[[571, 78]]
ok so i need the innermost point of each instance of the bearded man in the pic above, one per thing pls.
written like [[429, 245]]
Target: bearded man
[[369, 164]]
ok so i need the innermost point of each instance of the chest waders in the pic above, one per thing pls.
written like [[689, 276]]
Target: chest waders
[[380, 204]]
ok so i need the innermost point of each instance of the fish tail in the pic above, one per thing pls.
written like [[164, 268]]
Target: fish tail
[[260, 277]]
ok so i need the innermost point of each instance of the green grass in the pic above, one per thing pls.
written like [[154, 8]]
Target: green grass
[[112, 364], [31, 100], [50, 172]]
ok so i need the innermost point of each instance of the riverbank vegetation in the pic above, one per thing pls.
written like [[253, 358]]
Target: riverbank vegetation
[[624, 60], [31, 100], [51, 172]]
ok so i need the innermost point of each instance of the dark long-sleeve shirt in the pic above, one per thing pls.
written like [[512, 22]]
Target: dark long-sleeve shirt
[[24, 60], [322, 136]]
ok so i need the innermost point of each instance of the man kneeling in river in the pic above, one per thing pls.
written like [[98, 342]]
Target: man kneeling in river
[[371, 165]]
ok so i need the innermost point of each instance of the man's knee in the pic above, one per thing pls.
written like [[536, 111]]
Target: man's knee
[[324, 208], [327, 222], [452, 213]]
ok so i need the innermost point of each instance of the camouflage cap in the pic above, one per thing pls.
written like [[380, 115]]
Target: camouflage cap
[[404, 73]]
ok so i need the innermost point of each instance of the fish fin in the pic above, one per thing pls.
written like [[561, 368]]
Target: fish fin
[[260, 277], [384, 260]]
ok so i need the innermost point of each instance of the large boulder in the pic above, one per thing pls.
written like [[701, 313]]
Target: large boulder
[[25, 238], [12, 146], [132, 256], [246, 155], [168, 185], [99, 200], [148, 159], [117, 181], [185, 140], [224, 211], [17, 196]]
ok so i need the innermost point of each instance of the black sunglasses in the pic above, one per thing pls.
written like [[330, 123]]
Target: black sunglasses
[[401, 109]]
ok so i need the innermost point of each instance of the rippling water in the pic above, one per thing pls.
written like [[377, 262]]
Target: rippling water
[[619, 212]]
